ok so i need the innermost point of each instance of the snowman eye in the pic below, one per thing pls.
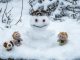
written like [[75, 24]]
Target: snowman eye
[[43, 20], [36, 20]]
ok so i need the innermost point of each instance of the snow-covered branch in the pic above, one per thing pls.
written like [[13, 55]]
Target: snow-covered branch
[[20, 15]]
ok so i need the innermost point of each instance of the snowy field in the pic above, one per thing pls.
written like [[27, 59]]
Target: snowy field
[[70, 51]]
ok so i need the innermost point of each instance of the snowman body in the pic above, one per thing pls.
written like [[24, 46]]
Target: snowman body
[[39, 36]]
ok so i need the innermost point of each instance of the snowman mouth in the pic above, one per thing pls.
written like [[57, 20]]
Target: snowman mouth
[[39, 26]]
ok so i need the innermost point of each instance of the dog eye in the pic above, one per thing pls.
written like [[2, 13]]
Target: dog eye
[[43, 20], [16, 34], [36, 20], [60, 36]]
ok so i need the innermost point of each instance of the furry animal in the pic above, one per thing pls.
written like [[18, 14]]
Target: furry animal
[[63, 38], [17, 38], [8, 45]]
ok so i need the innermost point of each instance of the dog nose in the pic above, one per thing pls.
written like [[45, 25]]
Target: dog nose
[[18, 40], [9, 45]]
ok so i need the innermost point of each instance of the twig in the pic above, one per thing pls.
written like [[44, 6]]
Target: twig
[[0, 10], [21, 14], [6, 15], [1, 28], [10, 10], [4, 11]]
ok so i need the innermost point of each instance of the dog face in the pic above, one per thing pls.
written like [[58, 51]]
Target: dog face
[[39, 22], [63, 36], [8, 45], [16, 35]]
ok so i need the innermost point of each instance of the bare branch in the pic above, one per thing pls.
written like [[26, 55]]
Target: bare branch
[[4, 11], [0, 10], [21, 14], [1, 28], [6, 14], [10, 10]]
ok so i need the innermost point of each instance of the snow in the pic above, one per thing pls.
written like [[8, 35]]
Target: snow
[[45, 4], [69, 51]]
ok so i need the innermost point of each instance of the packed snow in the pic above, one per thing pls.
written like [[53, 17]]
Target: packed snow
[[44, 48]]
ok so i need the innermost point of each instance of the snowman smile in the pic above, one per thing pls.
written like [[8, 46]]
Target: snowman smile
[[39, 26]]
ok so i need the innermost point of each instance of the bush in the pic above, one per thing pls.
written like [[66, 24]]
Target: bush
[[4, 1]]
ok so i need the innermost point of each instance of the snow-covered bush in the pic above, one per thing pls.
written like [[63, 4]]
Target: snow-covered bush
[[5, 1], [7, 18], [70, 8], [43, 7]]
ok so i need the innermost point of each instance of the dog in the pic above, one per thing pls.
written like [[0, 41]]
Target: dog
[[8, 45], [17, 38], [62, 38]]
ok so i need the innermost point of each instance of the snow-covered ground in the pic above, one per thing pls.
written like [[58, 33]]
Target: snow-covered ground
[[69, 51]]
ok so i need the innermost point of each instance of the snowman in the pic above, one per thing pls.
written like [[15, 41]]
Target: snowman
[[39, 36]]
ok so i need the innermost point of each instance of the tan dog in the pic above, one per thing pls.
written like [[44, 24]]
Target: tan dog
[[63, 38], [8, 45], [17, 38]]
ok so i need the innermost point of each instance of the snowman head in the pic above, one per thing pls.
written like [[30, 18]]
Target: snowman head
[[39, 22]]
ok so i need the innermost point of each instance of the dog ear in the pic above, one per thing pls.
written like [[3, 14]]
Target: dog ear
[[5, 44], [66, 34], [13, 34], [12, 43], [59, 34]]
